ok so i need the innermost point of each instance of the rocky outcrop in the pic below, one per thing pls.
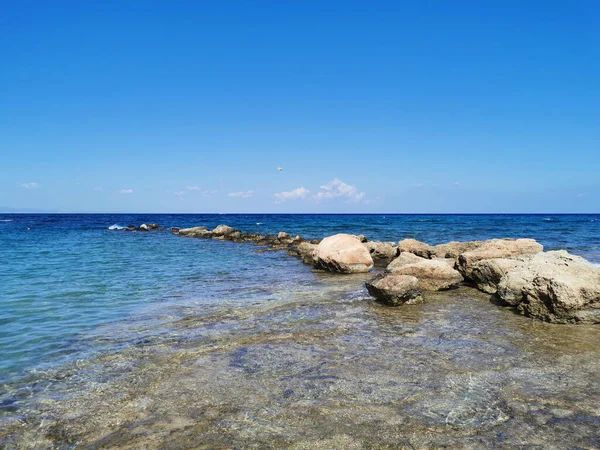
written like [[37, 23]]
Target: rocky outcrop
[[453, 249], [195, 232], [306, 251], [223, 231], [432, 275], [402, 260], [381, 252], [499, 248], [415, 247], [487, 273], [555, 287], [394, 289], [342, 253]]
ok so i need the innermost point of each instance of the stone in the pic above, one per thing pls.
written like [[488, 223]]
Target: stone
[[283, 235], [498, 248], [393, 289], [487, 273], [143, 227], [362, 238], [555, 287], [432, 275], [343, 253], [195, 232], [453, 249], [381, 251], [306, 250], [450, 261], [222, 231], [402, 260], [415, 247]]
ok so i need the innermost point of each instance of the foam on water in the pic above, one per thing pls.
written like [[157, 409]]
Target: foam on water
[[116, 227]]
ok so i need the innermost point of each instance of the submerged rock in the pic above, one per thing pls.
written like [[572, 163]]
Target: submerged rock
[[432, 275], [342, 253], [393, 289], [415, 247], [554, 286]]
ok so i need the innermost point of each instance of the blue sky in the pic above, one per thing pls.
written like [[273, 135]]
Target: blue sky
[[183, 106]]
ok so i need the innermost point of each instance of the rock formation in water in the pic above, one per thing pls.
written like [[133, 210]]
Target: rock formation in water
[[393, 289]]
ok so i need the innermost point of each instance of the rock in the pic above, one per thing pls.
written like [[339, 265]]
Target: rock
[[235, 236], [415, 247], [153, 226], [306, 250], [450, 261], [283, 235], [497, 249], [175, 230], [315, 241], [402, 260], [433, 275], [342, 253], [195, 232], [393, 289], [453, 249], [131, 228], [362, 238], [554, 286], [381, 251], [487, 273], [223, 231], [143, 227]]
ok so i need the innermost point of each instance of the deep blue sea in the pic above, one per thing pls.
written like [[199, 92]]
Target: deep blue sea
[[69, 285]]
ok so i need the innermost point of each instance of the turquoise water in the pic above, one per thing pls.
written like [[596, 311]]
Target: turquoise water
[[68, 283]]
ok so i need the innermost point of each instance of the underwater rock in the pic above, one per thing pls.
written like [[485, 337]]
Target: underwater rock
[[555, 287], [393, 289], [343, 253]]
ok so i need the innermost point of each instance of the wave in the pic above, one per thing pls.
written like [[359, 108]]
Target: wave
[[116, 227], [259, 223], [547, 219], [6, 220]]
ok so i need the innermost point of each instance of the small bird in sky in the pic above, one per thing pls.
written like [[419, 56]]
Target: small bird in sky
[[279, 169]]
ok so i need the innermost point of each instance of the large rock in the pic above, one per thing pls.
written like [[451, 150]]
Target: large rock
[[393, 289], [196, 232], [433, 275], [555, 287], [381, 252], [402, 260], [342, 253], [223, 231], [415, 247], [487, 273], [453, 249]]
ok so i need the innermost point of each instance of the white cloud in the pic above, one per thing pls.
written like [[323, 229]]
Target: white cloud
[[241, 194], [208, 193], [193, 188], [337, 188], [205, 192], [179, 193], [97, 188], [296, 194], [455, 184], [420, 185], [126, 191], [30, 185]]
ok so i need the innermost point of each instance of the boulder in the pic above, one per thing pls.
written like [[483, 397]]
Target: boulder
[[393, 289], [415, 247], [143, 227], [554, 286], [453, 249], [433, 275], [450, 261], [195, 232], [381, 251], [343, 253], [222, 231], [498, 248], [402, 260], [306, 250], [283, 235], [487, 273], [362, 238]]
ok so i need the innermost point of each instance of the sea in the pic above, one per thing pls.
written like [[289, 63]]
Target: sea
[[78, 292]]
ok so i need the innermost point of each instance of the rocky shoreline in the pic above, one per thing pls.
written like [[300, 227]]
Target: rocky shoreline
[[552, 286]]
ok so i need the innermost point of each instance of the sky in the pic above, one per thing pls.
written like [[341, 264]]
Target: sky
[[398, 107]]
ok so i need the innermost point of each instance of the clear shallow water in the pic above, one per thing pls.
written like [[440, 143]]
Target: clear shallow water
[[72, 292], [68, 274]]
